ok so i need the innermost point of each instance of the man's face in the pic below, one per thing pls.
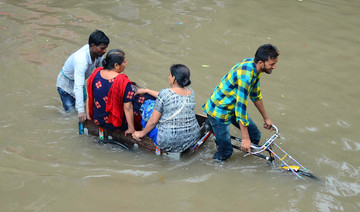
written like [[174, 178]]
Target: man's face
[[269, 65], [99, 50]]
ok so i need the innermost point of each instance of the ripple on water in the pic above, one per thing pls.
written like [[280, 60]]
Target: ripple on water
[[349, 170], [350, 145], [137, 173], [44, 203], [197, 179], [12, 182], [109, 172], [324, 202], [96, 176], [309, 129], [342, 188], [312, 129], [343, 169], [343, 124]]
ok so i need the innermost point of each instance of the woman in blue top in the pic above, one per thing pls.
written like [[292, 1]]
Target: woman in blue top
[[111, 94], [174, 114]]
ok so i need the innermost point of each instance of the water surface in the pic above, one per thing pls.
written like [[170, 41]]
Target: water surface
[[312, 97]]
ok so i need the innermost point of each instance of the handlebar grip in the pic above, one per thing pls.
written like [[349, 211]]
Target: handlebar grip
[[276, 129]]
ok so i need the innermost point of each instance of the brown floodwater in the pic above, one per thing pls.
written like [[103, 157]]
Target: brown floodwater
[[312, 96]]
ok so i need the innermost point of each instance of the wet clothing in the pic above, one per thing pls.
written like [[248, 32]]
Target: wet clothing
[[223, 137], [228, 105], [176, 133], [75, 71], [229, 98], [106, 99], [68, 101]]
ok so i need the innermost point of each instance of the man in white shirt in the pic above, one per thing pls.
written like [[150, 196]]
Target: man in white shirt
[[77, 68]]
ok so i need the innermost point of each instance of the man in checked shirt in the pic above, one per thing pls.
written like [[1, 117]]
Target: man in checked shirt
[[227, 104]]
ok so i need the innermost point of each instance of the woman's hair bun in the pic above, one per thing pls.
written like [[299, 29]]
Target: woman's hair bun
[[181, 74], [186, 82]]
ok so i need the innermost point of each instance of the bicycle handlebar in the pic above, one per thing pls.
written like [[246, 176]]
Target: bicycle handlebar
[[276, 129], [267, 143]]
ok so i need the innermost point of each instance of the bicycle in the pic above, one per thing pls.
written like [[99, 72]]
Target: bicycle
[[258, 151]]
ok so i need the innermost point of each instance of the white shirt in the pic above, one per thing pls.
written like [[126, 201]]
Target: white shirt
[[77, 69]]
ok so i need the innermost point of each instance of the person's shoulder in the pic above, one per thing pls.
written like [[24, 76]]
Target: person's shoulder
[[164, 91], [246, 64], [120, 75], [82, 56], [243, 63], [83, 51], [192, 91], [251, 59]]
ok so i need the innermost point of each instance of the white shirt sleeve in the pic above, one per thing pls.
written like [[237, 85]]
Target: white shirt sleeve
[[79, 82]]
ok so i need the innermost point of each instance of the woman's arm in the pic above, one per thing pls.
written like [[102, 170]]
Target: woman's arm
[[154, 119], [87, 108], [129, 114], [141, 91]]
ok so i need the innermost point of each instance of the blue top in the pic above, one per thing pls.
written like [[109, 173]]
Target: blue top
[[101, 89]]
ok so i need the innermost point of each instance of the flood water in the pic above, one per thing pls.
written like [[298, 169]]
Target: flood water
[[312, 96]]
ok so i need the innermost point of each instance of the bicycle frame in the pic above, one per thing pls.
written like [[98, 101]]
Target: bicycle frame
[[267, 146]]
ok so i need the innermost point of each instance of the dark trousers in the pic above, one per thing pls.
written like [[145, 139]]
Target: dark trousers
[[223, 137]]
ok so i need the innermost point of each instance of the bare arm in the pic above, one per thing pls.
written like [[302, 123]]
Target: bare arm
[[129, 114], [260, 106], [154, 119], [148, 91], [87, 109], [245, 143]]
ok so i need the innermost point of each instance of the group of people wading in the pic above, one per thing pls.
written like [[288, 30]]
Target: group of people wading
[[114, 102]]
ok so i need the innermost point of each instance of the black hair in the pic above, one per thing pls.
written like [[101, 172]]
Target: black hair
[[112, 57], [98, 37], [181, 74], [266, 52]]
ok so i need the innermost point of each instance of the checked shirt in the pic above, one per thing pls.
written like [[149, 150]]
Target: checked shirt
[[229, 98]]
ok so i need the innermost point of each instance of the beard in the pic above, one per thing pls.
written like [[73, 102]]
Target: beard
[[268, 71]]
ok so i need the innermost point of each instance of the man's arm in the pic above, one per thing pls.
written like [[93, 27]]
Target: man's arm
[[79, 82], [245, 142], [243, 81], [260, 106]]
